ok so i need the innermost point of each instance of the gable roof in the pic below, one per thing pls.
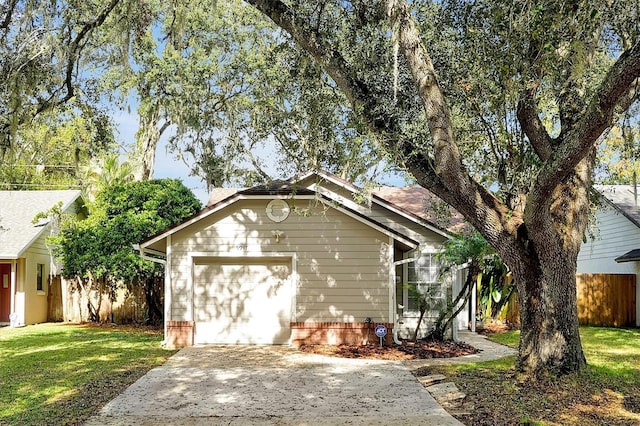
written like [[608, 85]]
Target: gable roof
[[17, 211], [400, 201], [623, 198], [418, 203], [279, 189], [223, 197]]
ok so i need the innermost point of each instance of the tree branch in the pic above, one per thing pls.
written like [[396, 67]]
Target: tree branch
[[332, 61], [8, 10], [492, 218], [72, 59], [529, 120], [443, 174], [617, 92]]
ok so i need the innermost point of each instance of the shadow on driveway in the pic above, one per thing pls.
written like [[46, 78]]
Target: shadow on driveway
[[270, 385]]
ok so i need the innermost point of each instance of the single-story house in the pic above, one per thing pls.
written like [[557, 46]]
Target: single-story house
[[614, 247], [298, 262], [25, 261]]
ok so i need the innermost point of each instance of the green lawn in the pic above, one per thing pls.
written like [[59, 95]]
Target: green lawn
[[62, 373], [606, 392]]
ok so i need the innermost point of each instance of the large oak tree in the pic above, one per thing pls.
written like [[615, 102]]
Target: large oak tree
[[498, 108]]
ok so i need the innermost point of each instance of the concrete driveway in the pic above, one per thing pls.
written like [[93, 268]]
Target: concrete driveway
[[267, 385]]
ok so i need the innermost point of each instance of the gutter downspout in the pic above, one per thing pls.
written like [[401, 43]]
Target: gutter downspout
[[396, 340], [143, 254], [13, 278]]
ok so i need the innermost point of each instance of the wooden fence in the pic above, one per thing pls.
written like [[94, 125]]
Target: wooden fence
[[607, 299], [67, 303], [603, 300]]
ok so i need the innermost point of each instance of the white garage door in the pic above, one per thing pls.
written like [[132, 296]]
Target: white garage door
[[242, 300]]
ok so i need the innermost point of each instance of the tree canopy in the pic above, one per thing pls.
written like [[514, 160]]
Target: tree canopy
[[470, 97], [56, 147]]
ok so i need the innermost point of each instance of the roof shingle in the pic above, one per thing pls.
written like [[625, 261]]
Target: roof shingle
[[17, 211]]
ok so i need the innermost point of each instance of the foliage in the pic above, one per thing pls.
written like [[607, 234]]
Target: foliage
[[103, 172], [495, 287], [98, 250], [620, 152], [426, 301], [52, 150], [233, 89], [462, 249], [63, 374], [484, 269], [49, 55]]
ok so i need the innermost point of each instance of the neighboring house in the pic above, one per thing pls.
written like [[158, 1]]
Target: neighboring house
[[297, 262], [25, 262], [615, 247]]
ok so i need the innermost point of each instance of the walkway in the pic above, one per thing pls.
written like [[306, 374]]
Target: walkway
[[447, 393], [489, 351]]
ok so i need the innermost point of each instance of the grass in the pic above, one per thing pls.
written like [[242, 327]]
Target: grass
[[606, 392], [62, 374]]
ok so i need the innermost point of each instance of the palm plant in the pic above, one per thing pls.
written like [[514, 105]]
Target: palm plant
[[482, 263], [104, 172]]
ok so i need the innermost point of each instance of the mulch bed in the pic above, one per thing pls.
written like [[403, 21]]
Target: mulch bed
[[496, 327], [424, 349]]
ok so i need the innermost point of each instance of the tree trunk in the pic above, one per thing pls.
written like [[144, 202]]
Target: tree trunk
[[153, 297], [415, 333], [447, 315], [545, 267], [550, 337], [148, 137], [540, 244]]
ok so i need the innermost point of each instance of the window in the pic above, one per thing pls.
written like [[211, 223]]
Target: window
[[39, 286], [423, 278], [400, 289]]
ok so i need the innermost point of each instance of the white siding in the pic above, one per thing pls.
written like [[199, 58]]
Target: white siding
[[616, 235]]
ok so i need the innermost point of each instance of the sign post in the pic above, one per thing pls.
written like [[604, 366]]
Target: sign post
[[381, 331]]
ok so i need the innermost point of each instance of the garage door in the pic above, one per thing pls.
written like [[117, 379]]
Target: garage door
[[242, 300]]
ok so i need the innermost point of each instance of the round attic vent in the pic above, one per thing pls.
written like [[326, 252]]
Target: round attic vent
[[278, 210]]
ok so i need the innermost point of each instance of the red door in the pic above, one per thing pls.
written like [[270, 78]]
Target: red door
[[5, 292]]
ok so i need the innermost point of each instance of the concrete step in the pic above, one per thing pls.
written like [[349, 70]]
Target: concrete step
[[446, 392], [431, 379]]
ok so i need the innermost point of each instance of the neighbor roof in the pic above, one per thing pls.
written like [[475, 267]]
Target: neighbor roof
[[630, 256], [425, 205], [219, 194], [623, 198], [17, 211]]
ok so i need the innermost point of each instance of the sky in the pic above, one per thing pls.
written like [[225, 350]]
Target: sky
[[167, 166]]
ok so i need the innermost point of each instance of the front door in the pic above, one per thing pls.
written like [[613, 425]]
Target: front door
[[5, 291]]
